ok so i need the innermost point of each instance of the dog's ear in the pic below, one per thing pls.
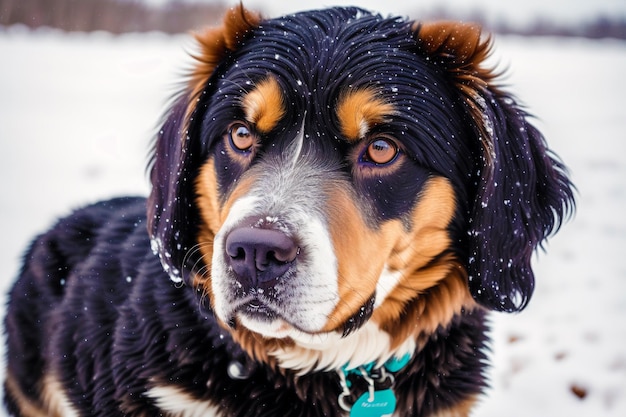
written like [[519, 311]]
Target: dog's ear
[[172, 213], [522, 189]]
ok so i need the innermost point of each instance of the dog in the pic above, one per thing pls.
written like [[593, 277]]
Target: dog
[[338, 200]]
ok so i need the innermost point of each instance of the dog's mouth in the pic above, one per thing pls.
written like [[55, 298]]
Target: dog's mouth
[[264, 318], [260, 313], [258, 310], [267, 318]]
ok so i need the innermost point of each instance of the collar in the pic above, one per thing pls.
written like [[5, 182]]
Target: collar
[[379, 399]]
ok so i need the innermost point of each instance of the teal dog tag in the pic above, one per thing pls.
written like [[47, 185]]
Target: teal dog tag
[[383, 404]]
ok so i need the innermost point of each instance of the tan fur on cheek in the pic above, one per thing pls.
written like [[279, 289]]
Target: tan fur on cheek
[[208, 199], [360, 253], [213, 214], [428, 238], [433, 284], [422, 315], [429, 223]]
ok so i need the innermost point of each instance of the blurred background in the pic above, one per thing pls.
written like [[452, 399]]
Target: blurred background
[[84, 83], [594, 19]]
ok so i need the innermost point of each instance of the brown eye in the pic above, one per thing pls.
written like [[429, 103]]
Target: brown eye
[[241, 138], [381, 151]]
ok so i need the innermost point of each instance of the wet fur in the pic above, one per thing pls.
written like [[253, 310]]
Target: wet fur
[[119, 309]]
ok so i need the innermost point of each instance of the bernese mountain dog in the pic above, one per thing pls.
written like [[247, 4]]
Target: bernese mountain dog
[[338, 199]]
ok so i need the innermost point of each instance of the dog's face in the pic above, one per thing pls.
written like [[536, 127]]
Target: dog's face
[[318, 189], [333, 171]]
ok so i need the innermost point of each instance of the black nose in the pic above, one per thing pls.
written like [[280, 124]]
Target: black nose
[[259, 256]]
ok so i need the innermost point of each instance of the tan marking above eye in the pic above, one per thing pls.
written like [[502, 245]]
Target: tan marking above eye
[[264, 105], [359, 110]]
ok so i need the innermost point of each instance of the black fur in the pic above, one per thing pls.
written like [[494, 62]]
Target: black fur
[[101, 312], [509, 205], [95, 304]]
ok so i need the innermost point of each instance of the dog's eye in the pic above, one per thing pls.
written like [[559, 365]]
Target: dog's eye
[[380, 151], [241, 137]]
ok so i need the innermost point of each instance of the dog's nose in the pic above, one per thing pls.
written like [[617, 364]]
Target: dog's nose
[[258, 256]]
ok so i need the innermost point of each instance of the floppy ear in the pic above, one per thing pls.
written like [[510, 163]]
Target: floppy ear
[[172, 213], [523, 192]]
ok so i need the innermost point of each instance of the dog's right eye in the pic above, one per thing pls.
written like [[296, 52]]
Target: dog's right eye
[[380, 151], [241, 137]]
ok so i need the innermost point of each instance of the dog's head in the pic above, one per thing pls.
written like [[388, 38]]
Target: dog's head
[[335, 171]]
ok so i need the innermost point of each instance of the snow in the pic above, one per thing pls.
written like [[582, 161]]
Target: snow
[[77, 113]]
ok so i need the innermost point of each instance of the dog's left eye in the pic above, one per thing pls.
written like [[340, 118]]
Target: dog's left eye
[[241, 137], [380, 151]]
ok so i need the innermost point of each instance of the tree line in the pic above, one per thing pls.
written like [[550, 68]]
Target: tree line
[[177, 16], [601, 27], [594, 27], [115, 16]]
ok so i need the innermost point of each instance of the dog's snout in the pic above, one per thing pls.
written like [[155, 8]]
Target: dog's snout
[[259, 255]]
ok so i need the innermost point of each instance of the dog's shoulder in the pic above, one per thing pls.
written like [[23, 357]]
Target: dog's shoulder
[[103, 228]]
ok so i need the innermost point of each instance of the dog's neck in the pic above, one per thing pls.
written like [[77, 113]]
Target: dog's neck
[[301, 352], [332, 351]]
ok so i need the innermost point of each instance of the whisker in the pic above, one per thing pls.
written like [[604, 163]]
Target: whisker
[[192, 252]]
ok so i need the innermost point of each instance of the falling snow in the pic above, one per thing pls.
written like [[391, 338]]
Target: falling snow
[[82, 110]]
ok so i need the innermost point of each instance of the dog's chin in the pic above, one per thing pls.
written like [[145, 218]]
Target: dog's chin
[[270, 323], [274, 327], [265, 320], [279, 328]]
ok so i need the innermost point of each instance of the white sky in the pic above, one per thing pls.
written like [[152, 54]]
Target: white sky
[[513, 11]]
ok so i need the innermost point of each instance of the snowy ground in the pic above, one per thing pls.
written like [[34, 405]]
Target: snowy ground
[[77, 113]]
